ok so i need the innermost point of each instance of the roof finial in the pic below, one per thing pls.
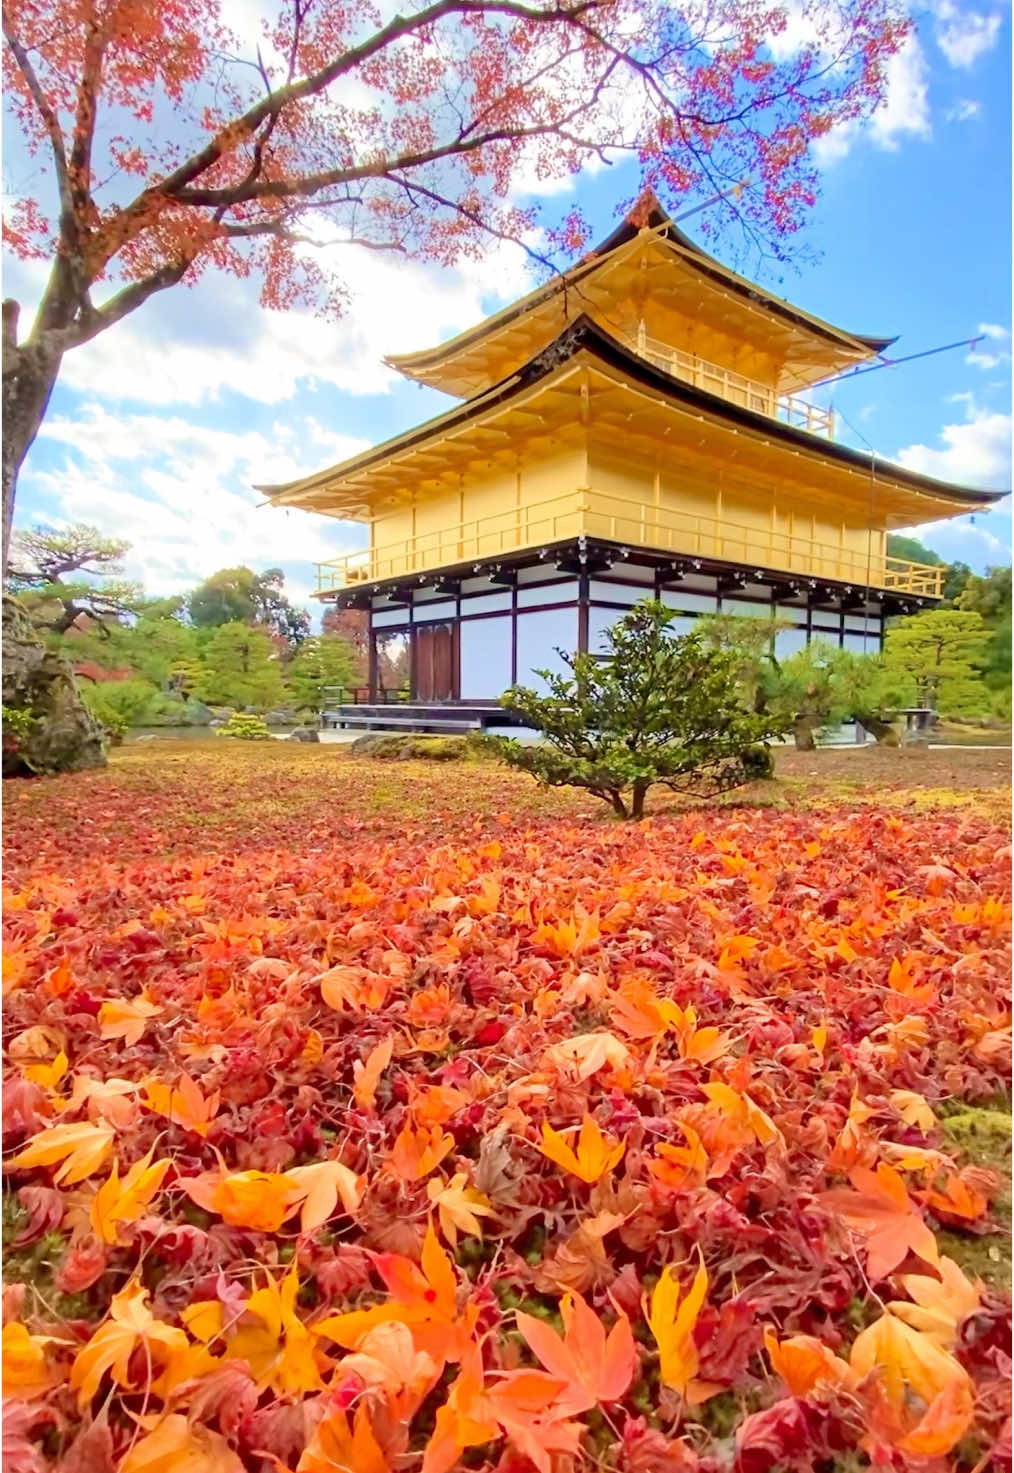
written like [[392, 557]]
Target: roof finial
[[645, 209]]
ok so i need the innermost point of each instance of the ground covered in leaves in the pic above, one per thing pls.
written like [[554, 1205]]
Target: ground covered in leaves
[[379, 1116]]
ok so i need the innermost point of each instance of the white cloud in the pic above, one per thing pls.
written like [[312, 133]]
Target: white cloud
[[982, 539], [182, 494], [965, 35], [963, 111], [189, 346], [903, 113], [976, 452], [989, 359]]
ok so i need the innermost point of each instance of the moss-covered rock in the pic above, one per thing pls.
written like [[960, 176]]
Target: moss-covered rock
[[50, 729], [404, 747]]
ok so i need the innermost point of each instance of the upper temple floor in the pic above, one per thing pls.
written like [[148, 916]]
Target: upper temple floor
[[652, 289]]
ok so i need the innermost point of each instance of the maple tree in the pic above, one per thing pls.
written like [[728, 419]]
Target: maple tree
[[171, 147]]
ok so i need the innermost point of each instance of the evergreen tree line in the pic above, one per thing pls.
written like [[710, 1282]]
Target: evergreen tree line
[[233, 642], [236, 641]]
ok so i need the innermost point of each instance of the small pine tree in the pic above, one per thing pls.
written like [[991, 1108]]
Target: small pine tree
[[655, 709]]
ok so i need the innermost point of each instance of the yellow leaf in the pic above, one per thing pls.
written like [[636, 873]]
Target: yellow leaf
[[82, 1148], [596, 1153], [319, 1187], [119, 1201], [940, 1305], [120, 1018], [47, 1075], [914, 1374], [26, 1372], [173, 1446], [130, 1323], [743, 1110], [367, 1072], [459, 1206], [672, 1324], [588, 1053], [913, 1109], [274, 1342]]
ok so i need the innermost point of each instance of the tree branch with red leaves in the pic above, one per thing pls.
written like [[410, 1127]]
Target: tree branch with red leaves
[[166, 147]]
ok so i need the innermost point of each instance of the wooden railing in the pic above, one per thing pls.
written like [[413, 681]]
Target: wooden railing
[[616, 518], [735, 387], [552, 520], [625, 520]]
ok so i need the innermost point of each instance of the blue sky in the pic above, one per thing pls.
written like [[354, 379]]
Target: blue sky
[[159, 428]]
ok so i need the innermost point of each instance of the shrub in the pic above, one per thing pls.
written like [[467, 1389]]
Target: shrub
[[655, 709], [16, 724], [246, 728], [119, 704]]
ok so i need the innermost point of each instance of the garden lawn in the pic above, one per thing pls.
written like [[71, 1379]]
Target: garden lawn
[[371, 1116]]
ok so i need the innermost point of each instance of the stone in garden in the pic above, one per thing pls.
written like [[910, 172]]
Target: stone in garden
[[62, 735]]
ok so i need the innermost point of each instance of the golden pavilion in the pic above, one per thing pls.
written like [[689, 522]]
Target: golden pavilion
[[637, 426]]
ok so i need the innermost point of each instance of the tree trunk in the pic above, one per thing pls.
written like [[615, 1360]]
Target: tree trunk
[[803, 733], [637, 800], [616, 799], [29, 373], [882, 730]]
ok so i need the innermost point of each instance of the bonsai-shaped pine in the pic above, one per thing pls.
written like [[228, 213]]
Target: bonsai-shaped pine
[[657, 708]]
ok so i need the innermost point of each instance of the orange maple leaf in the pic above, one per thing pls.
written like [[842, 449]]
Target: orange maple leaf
[[418, 1150], [121, 1018], [807, 1365], [184, 1103], [593, 1365], [881, 1210], [681, 1168], [334, 1446], [367, 1072]]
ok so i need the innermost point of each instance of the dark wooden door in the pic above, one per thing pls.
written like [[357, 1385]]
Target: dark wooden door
[[435, 665]]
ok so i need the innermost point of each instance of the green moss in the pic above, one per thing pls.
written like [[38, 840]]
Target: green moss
[[981, 1135], [35, 1265]]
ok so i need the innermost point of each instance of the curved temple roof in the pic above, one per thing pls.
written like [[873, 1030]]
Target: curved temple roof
[[648, 255], [347, 490]]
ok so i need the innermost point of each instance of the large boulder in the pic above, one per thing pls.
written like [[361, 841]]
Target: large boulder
[[197, 713], [47, 726], [304, 734]]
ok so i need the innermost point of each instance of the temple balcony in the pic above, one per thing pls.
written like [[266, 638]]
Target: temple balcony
[[610, 517], [748, 393]]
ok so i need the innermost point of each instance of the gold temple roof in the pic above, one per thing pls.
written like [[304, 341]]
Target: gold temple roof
[[588, 387], [649, 271]]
